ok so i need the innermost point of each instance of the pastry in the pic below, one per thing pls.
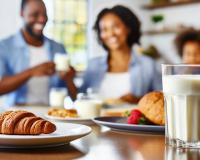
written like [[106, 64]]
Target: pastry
[[113, 101], [152, 106], [24, 123], [63, 113]]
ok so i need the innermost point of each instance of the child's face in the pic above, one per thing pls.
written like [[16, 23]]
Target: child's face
[[191, 53]]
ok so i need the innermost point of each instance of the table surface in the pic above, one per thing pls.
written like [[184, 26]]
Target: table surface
[[104, 143]]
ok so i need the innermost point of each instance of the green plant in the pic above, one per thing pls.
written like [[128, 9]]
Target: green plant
[[157, 18]]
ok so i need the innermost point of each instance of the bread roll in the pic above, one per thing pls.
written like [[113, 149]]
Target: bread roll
[[152, 106]]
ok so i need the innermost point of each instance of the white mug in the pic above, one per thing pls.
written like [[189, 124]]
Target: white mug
[[57, 97], [62, 62], [88, 108]]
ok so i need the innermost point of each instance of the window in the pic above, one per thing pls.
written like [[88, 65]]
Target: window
[[68, 24]]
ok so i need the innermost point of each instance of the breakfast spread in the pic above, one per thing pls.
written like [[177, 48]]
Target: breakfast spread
[[24, 123], [63, 113], [150, 110]]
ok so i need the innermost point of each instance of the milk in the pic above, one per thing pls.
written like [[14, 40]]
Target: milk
[[182, 98]]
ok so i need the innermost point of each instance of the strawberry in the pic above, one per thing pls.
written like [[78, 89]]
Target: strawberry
[[136, 112], [136, 117]]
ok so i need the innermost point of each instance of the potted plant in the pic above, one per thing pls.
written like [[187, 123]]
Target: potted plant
[[158, 20]]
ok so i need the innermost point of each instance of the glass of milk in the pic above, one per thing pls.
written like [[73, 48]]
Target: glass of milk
[[181, 87], [62, 62], [57, 97]]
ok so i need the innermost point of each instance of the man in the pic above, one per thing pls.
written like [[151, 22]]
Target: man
[[26, 68]]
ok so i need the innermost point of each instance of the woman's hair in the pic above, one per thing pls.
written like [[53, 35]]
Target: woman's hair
[[127, 17], [190, 35]]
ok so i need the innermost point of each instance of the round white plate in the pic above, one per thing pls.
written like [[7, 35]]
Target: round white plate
[[65, 133], [77, 120]]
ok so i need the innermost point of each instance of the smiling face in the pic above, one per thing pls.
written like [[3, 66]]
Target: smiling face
[[191, 53], [113, 32], [35, 17]]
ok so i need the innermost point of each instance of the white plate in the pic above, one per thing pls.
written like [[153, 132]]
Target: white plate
[[65, 133], [77, 120]]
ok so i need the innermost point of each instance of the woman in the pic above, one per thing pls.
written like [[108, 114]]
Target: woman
[[121, 74], [188, 46]]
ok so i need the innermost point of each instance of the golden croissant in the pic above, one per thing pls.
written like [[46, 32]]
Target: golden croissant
[[24, 123]]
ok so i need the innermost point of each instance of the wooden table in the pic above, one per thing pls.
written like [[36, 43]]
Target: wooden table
[[104, 144]]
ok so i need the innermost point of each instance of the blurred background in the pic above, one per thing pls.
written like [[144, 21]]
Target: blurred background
[[71, 22]]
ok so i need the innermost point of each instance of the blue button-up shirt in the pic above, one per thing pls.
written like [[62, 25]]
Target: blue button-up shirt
[[14, 58], [142, 69]]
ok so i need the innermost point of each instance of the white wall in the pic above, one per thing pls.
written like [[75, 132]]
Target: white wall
[[9, 21], [9, 17]]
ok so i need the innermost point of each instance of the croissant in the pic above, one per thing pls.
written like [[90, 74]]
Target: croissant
[[24, 123]]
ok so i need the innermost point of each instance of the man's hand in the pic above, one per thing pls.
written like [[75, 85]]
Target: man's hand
[[68, 78], [44, 69], [69, 75]]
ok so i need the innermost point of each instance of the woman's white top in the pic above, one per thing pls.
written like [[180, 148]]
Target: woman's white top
[[38, 87], [115, 85]]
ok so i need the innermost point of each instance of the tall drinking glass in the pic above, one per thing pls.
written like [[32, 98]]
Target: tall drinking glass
[[172, 153], [181, 87]]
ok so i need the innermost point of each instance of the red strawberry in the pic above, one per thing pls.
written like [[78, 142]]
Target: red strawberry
[[136, 112], [136, 117]]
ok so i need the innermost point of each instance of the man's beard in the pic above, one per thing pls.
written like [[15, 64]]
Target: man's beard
[[30, 31]]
